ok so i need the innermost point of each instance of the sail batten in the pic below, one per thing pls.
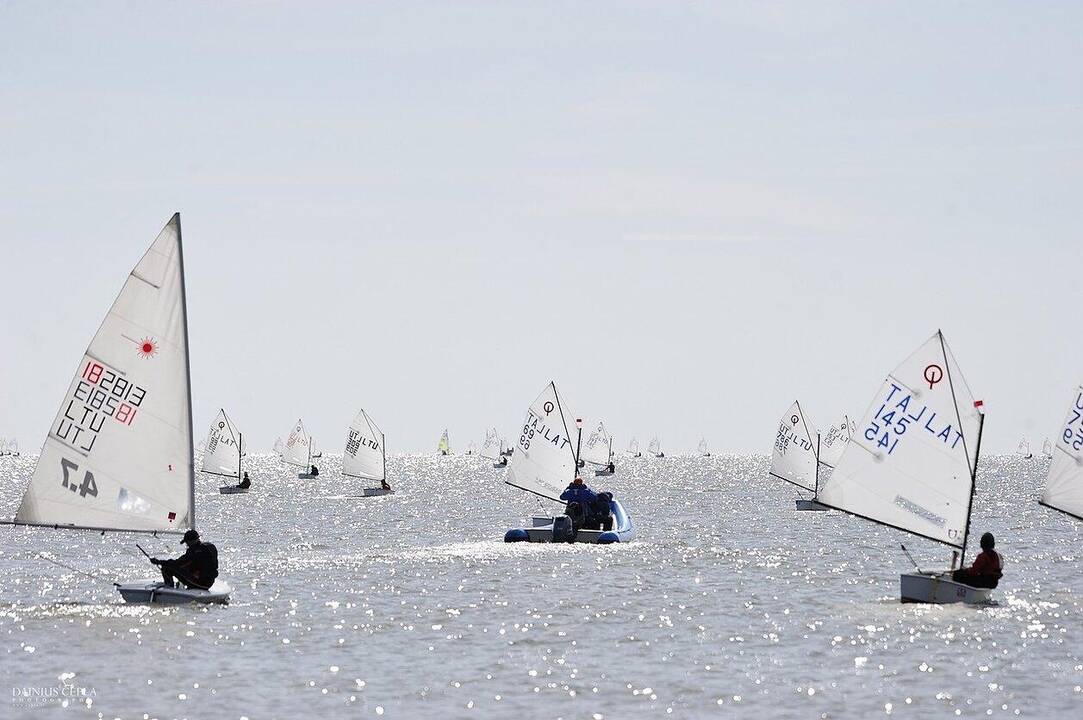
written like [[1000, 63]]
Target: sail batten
[[119, 454]]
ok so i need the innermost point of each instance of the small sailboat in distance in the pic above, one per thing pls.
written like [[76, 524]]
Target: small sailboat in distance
[[298, 451], [794, 457], [1024, 448], [1064, 482], [833, 442], [633, 448], [493, 449], [119, 455], [444, 446], [912, 465], [598, 451], [702, 448], [223, 453], [1047, 449], [545, 463], [655, 448], [365, 456]]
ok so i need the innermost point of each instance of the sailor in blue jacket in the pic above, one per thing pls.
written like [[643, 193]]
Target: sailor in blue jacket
[[579, 493]]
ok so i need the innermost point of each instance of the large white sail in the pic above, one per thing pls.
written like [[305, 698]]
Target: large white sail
[[297, 450], [223, 448], [364, 454], [596, 448], [544, 459], [1064, 483], [492, 448], [833, 441], [794, 456], [119, 452], [911, 464]]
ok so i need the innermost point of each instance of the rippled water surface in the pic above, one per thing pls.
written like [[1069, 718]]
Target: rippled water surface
[[412, 606]]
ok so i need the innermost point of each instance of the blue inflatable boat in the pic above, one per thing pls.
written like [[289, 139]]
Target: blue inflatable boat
[[542, 529]]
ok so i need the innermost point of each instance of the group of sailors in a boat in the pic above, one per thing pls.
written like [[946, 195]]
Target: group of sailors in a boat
[[587, 509]]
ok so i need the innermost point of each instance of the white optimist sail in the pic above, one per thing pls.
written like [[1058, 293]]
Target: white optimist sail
[[793, 458], [833, 442], [1047, 448], [1024, 447], [1064, 483], [655, 446], [702, 448], [444, 446], [119, 453], [224, 448], [912, 463], [544, 459], [493, 445], [364, 456], [633, 447], [597, 449], [297, 450]]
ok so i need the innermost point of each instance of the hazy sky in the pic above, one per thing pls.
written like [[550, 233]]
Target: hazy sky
[[687, 215]]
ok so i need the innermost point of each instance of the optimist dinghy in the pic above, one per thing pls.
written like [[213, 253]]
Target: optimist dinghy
[[1064, 482], [912, 464], [119, 454], [298, 450], [151, 591], [794, 457], [598, 451], [444, 446], [493, 449], [223, 453], [702, 448], [544, 463], [365, 456]]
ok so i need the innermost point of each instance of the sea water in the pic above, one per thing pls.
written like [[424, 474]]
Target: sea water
[[729, 603]]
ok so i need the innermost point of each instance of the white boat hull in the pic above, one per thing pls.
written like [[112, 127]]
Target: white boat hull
[[939, 588], [803, 504], [376, 492], [306, 476], [152, 591], [232, 490]]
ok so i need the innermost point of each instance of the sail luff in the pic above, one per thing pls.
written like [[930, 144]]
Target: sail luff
[[187, 379]]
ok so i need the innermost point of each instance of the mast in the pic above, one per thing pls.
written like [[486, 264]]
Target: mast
[[973, 487], [816, 485], [383, 447], [240, 454], [188, 381]]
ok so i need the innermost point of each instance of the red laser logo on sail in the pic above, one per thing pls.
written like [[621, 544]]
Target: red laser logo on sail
[[148, 347]]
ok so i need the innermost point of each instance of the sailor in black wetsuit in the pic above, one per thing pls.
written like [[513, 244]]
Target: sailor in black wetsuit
[[245, 483], [196, 568]]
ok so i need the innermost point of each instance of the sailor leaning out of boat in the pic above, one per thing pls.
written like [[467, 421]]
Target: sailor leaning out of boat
[[987, 569], [196, 568]]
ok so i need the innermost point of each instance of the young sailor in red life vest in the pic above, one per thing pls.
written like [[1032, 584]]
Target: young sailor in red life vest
[[987, 569]]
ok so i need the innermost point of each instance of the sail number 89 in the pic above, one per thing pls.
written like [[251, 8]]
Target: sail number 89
[[526, 437], [86, 487]]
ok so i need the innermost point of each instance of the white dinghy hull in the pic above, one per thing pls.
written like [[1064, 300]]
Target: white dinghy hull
[[940, 589], [153, 592], [803, 504], [306, 476], [376, 492], [232, 490]]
